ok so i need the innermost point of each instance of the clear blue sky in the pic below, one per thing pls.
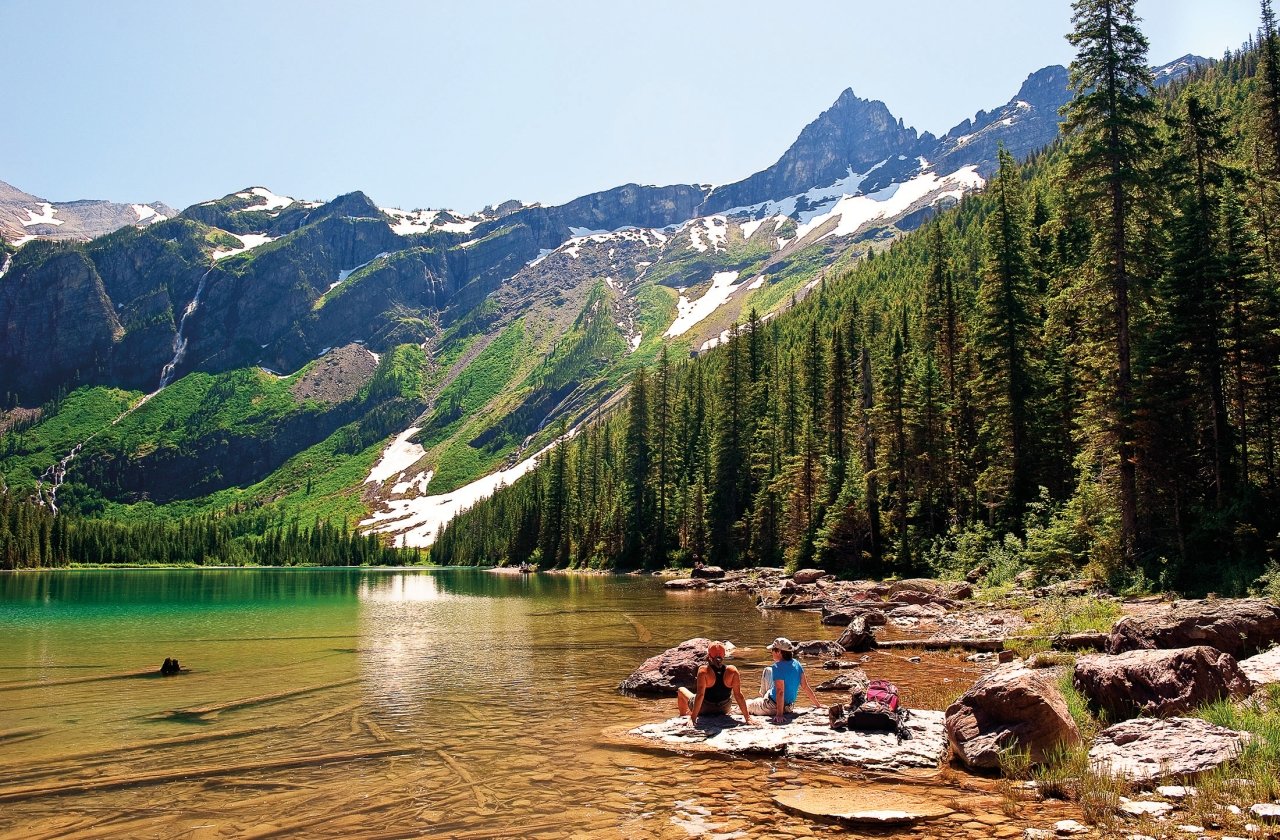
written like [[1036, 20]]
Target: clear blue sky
[[462, 104]]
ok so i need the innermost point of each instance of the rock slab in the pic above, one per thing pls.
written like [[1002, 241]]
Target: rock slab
[[1159, 683], [807, 735], [1148, 749], [860, 805], [1009, 707], [1264, 668], [1238, 626]]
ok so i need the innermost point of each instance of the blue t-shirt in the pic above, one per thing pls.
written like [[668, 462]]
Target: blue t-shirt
[[787, 670]]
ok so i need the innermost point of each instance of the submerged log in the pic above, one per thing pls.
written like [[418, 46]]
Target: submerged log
[[261, 699], [18, 793], [127, 675]]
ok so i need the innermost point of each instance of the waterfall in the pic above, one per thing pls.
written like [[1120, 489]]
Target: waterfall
[[180, 340], [51, 479]]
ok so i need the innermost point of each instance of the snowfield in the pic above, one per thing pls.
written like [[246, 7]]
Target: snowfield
[[45, 217], [270, 201], [854, 211], [418, 521], [399, 455], [689, 313], [248, 241], [147, 214]]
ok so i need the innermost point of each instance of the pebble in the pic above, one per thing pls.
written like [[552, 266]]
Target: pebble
[[1037, 834], [1192, 829], [1065, 828], [912, 659]]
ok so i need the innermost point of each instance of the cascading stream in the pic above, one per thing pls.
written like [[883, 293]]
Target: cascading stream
[[179, 338], [52, 478]]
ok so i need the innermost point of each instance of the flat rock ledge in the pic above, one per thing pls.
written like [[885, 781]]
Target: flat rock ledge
[[806, 735], [861, 805], [1149, 749]]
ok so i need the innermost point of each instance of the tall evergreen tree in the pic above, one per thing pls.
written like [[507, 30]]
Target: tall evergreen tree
[[1110, 117]]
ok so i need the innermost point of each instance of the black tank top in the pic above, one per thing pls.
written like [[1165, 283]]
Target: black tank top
[[718, 693]]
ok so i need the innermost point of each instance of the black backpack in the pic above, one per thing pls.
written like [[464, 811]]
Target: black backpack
[[875, 709]]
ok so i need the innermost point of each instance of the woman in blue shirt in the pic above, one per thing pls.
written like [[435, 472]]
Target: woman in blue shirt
[[785, 677]]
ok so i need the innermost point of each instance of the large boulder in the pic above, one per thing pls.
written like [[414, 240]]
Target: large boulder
[[858, 636], [1240, 627], [685, 583], [1148, 749], [1262, 669], [1010, 707], [808, 575], [707, 572], [675, 667], [1159, 683]]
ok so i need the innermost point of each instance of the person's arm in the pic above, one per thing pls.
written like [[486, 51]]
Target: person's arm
[[804, 683], [697, 701], [736, 685], [779, 700]]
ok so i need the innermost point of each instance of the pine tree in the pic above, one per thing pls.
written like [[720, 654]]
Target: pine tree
[[1003, 334], [1110, 117]]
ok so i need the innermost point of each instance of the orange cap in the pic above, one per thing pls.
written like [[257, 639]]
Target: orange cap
[[715, 649]]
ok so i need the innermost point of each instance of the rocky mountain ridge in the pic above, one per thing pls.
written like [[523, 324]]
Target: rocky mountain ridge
[[524, 316]]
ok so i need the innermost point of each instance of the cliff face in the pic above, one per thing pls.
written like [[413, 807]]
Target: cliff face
[[56, 318]]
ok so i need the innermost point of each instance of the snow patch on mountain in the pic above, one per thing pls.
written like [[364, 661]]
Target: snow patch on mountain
[[347, 272], [690, 313], [854, 211], [270, 201], [248, 241], [147, 214], [418, 221], [399, 455], [716, 230], [417, 521], [45, 218]]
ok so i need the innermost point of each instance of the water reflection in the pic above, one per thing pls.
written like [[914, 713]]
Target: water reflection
[[510, 678]]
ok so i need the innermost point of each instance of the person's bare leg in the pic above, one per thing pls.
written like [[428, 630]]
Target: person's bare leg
[[683, 700]]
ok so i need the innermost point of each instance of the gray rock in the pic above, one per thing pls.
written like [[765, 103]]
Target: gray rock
[[1265, 811], [707, 572], [1149, 749], [842, 614], [1239, 627], [1066, 828], [685, 583], [1144, 808], [1007, 707], [819, 647], [1264, 668], [807, 735], [858, 636], [846, 681], [1159, 683], [809, 575]]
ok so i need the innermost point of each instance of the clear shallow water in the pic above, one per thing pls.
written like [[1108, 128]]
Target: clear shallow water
[[448, 701]]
